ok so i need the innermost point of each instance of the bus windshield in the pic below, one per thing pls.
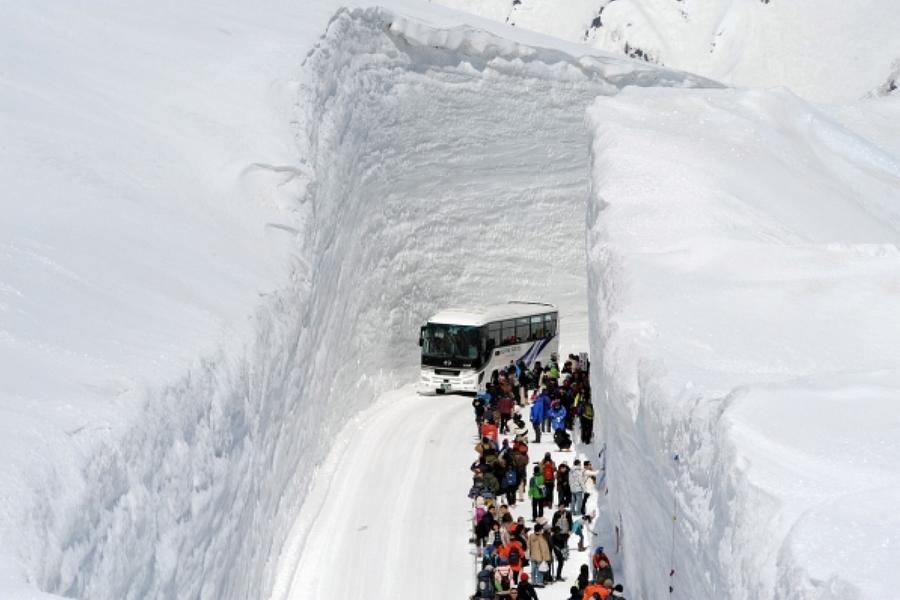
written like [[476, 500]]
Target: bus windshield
[[456, 343]]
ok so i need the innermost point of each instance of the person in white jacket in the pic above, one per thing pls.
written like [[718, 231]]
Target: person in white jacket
[[576, 485], [590, 482]]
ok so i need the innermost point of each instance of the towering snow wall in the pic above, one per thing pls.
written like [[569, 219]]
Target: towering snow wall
[[208, 308], [743, 269]]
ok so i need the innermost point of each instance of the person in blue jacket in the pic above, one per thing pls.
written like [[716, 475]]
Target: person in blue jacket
[[537, 417], [557, 415]]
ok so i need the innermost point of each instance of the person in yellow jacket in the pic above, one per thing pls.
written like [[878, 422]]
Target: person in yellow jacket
[[538, 552]]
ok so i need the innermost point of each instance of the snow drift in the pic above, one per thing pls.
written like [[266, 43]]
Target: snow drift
[[743, 259]]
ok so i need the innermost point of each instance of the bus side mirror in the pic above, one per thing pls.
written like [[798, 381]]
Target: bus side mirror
[[421, 336]]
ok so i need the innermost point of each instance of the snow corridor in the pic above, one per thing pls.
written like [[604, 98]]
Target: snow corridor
[[439, 164]]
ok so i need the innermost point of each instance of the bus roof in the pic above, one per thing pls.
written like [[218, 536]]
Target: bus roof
[[480, 315]]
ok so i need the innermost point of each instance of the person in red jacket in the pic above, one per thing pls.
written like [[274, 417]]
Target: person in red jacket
[[514, 554], [599, 562], [489, 430], [505, 406], [595, 588], [549, 469]]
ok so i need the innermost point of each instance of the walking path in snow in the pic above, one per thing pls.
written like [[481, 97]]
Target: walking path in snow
[[596, 533], [387, 516]]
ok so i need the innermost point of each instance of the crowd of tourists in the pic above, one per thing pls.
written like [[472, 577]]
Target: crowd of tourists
[[517, 557]]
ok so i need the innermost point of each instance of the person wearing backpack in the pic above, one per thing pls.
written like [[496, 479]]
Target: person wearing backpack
[[510, 484], [484, 585], [490, 557], [548, 468], [536, 493], [503, 575], [513, 552], [505, 406], [519, 457]]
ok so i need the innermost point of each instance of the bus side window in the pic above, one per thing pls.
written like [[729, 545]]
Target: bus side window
[[508, 333], [493, 335], [537, 330], [523, 332], [550, 325]]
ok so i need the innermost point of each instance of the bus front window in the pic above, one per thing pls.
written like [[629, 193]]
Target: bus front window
[[451, 342]]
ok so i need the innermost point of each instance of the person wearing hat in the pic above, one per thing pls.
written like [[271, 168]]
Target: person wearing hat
[[598, 559], [525, 589]]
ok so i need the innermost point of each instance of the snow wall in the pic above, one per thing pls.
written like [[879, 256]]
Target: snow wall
[[743, 327], [195, 498]]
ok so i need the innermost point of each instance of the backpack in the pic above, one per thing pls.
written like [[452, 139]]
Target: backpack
[[514, 557], [520, 459], [485, 585], [509, 479], [548, 471]]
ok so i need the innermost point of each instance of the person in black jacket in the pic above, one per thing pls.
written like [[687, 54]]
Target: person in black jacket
[[559, 542], [525, 589]]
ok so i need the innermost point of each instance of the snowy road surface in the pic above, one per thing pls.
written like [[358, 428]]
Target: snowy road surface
[[389, 512], [388, 515]]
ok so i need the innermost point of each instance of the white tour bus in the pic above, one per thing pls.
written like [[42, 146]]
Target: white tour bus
[[461, 347]]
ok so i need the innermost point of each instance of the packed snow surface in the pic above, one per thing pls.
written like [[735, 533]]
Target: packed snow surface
[[746, 300]]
